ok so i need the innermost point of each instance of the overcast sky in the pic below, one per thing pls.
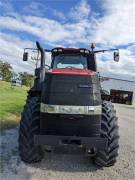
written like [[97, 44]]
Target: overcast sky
[[70, 23]]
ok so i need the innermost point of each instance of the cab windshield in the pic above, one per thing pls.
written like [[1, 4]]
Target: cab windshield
[[70, 61]]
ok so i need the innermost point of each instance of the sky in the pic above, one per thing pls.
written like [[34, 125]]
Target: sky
[[70, 23]]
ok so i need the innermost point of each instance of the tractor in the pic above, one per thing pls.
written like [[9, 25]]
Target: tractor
[[67, 110]]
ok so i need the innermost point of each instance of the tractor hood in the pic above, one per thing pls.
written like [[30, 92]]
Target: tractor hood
[[71, 87]]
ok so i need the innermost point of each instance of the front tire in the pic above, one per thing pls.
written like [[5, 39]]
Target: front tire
[[29, 126], [109, 130]]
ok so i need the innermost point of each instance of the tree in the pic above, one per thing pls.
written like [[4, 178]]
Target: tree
[[5, 71], [26, 78]]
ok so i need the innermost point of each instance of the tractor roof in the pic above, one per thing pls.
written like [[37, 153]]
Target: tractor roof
[[70, 50]]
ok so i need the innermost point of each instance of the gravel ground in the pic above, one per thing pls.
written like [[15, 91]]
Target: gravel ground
[[70, 167]]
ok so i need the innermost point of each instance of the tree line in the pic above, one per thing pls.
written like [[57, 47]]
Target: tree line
[[7, 74]]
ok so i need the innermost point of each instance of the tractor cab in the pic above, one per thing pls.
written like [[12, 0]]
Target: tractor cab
[[73, 59]]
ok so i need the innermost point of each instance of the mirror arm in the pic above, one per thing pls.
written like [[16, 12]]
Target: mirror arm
[[105, 50]]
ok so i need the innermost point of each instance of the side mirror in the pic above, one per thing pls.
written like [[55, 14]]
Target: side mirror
[[25, 56], [116, 56]]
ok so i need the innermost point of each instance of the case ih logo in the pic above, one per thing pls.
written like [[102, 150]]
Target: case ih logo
[[104, 79]]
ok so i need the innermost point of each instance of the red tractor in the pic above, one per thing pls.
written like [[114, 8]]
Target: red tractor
[[66, 108]]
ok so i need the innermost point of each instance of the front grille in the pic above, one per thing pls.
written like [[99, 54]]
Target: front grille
[[69, 125]]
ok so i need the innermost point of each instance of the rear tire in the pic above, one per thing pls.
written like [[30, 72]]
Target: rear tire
[[29, 126], [109, 130]]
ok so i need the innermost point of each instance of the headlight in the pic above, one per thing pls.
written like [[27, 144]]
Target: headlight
[[59, 50], [61, 109], [82, 50], [86, 51], [55, 50]]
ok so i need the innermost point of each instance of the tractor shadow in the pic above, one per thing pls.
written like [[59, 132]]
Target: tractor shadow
[[66, 163]]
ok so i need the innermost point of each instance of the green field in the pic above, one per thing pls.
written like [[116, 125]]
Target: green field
[[12, 100]]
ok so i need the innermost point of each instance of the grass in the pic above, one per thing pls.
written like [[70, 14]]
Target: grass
[[12, 100]]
